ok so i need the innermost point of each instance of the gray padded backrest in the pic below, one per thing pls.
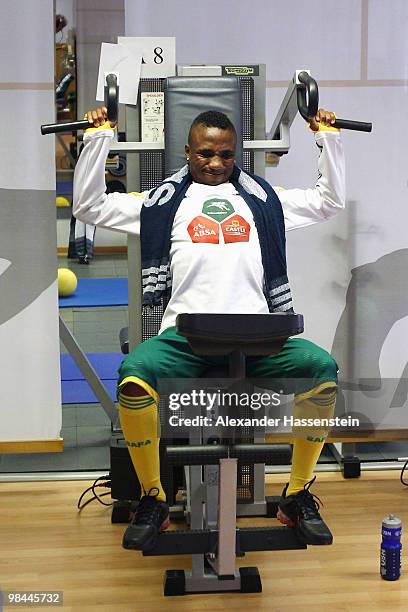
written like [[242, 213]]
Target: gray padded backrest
[[187, 97]]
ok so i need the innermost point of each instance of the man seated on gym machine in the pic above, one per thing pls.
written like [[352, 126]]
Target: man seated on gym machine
[[210, 272]]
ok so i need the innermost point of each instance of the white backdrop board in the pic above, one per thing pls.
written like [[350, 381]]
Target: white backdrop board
[[30, 397]]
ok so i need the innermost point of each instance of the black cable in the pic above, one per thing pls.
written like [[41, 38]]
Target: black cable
[[95, 495], [107, 482], [402, 474]]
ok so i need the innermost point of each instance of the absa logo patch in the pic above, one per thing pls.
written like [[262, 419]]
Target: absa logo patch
[[203, 230]]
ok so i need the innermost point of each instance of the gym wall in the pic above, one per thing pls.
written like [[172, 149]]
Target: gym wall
[[30, 401]]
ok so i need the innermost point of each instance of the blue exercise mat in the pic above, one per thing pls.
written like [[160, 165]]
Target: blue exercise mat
[[64, 188], [97, 292], [105, 364], [79, 392]]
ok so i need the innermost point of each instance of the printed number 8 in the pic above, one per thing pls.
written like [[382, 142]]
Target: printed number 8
[[158, 58]]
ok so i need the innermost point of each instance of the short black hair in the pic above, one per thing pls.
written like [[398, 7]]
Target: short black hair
[[213, 118]]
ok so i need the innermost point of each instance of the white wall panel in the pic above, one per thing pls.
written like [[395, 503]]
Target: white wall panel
[[376, 165], [284, 35], [26, 56], [394, 354], [388, 39], [30, 395], [28, 158]]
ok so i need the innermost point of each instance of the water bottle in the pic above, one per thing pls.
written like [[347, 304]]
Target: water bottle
[[391, 548]]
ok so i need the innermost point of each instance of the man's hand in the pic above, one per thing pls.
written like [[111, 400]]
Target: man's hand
[[324, 118], [98, 117]]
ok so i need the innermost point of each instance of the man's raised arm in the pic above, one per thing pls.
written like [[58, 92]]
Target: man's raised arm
[[117, 211], [303, 207]]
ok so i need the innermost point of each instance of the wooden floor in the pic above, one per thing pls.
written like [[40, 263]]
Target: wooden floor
[[47, 545]]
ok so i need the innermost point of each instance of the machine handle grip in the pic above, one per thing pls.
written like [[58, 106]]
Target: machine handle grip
[[308, 102], [347, 124], [112, 97], [307, 96], [71, 126], [111, 103]]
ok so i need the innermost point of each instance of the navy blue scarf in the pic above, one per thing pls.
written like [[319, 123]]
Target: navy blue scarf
[[156, 221]]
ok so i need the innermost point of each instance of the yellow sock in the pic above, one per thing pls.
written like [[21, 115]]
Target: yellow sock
[[319, 403], [139, 422], [304, 459]]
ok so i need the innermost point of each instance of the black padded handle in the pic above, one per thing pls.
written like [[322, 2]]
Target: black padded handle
[[347, 124], [71, 126], [111, 103], [210, 454]]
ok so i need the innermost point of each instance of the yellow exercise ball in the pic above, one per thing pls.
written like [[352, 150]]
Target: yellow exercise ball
[[61, 202], [67, 282]]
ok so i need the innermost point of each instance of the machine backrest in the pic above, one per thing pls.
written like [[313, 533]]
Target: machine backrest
[[187, 97]]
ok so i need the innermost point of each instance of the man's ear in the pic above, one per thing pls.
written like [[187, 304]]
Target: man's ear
[[187, 150]]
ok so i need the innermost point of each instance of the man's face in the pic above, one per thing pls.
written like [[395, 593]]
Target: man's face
[[212, 154]]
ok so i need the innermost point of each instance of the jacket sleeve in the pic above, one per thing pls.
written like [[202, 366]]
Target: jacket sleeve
[[303, 207], [116, 211]]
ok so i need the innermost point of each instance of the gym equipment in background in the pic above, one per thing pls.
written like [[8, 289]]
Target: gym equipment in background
[[111, 103]]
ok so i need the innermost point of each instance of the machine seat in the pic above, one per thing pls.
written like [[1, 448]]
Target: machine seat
[[251, 334]]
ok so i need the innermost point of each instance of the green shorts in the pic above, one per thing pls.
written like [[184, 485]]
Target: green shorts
[[299, 367]]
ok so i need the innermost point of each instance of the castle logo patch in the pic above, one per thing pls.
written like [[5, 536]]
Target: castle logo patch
[[218, 209], [236, 229], [203, 230]]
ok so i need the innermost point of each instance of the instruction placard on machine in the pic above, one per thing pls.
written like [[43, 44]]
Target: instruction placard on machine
[[152, 112]]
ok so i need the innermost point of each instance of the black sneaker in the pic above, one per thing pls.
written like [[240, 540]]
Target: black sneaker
[[83, 259], [151, 517], [301, 511]]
